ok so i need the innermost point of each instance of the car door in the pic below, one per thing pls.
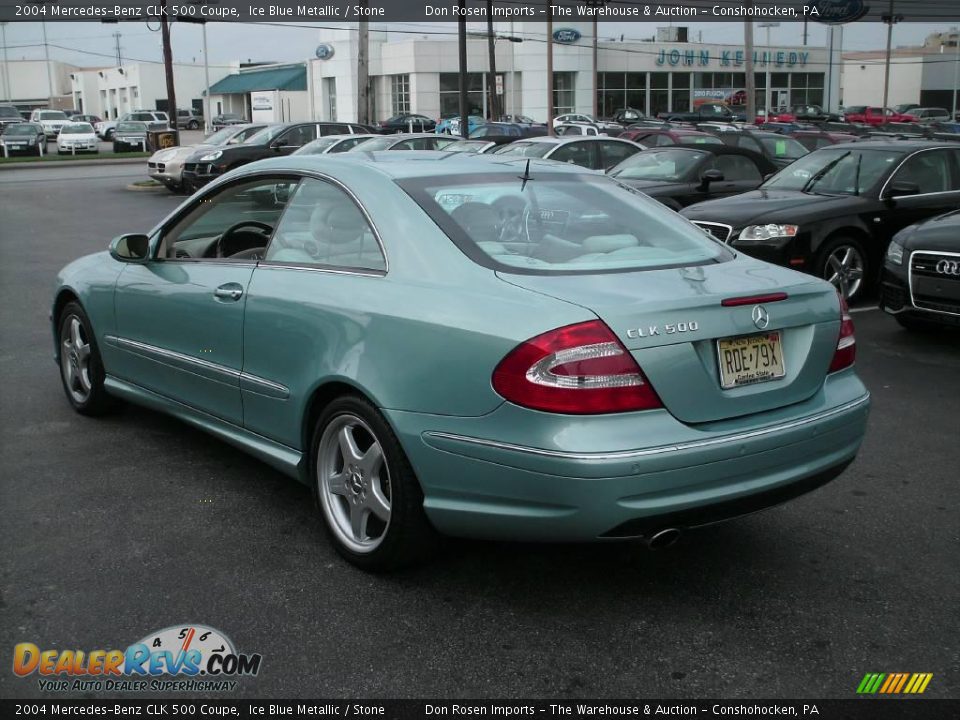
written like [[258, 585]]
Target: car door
[[580, 153], [936, 174], [179, 315], [740, 175], [294, 138], [312, 295], [613, 153]]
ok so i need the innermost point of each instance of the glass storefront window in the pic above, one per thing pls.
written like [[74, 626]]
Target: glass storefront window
[[616, 90], [564, 93], [450, 93], [400, 94]]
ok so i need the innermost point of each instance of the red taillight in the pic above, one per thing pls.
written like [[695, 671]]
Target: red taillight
[[578, 369], [846, 351]]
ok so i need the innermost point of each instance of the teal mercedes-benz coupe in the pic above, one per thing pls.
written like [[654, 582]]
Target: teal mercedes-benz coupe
[[475, 346]]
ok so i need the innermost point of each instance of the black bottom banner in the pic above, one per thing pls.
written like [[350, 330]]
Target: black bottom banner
[[854, 709]]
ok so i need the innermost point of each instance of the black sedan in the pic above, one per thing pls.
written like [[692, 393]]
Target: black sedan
[[921, 274], [681, 176], [274, 140], [833, 212], [407, 122], [24, 137], [777, 148]]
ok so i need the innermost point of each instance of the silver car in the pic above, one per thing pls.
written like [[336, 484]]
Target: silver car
[[166, 165]]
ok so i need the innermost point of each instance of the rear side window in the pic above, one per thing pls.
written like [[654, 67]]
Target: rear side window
[[737, 167], [323, 226], [560, 223]]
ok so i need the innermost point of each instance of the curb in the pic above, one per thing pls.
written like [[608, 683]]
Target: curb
[[71, 163]]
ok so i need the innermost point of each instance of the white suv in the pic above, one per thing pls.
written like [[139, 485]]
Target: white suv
[[51, 120]]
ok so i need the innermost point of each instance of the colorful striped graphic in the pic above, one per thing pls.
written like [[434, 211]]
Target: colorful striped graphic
[[894, 683]]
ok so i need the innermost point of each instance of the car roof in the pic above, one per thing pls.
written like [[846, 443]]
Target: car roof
[[414, 163], [882, 144]]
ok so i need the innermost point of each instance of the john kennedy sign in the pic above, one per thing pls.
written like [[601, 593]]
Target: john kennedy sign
[[731, 58]]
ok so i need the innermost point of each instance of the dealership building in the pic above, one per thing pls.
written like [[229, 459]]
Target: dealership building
[[419, 74]]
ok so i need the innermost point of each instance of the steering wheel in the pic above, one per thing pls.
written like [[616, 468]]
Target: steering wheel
[[234, 240]]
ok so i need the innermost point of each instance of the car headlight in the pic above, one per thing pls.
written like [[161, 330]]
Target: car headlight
[[895, 253], [759, 233], [210, 157]]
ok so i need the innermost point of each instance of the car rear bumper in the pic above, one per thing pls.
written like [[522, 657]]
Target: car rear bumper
[[580, 479]]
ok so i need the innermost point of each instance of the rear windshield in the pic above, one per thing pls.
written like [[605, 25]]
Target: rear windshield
[[51, 115], [526, 149], [9, 112], [783, 147], [132, 127], [20, 129], [559, 223], [77, 129]]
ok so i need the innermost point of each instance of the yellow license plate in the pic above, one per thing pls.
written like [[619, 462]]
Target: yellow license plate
[[751, 359]]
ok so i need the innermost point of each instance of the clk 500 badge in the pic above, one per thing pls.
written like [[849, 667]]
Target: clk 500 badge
[[668, 329]]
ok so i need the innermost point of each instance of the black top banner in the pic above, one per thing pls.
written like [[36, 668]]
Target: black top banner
[[298, 11], [631, 709]]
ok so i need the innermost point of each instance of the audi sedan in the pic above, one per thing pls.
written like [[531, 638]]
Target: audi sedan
[[921, 274], [480, 346]]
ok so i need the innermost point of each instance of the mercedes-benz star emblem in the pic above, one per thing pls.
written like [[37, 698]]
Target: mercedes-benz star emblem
[[761, 318], [948, 267]]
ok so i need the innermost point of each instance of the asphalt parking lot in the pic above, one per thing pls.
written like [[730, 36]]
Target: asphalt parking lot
[[116, 527]]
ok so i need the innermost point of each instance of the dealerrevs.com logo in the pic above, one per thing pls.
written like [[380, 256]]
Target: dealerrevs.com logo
[[187, 658]]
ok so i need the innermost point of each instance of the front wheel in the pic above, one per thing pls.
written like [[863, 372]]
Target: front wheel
[[369, 497], [843, 263], [81, 368]]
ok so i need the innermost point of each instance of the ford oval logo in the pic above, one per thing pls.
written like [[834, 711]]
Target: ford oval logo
[[324, 51], [838, 12], [566, 35]]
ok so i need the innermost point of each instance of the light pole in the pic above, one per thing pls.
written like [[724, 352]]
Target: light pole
[[206, 80], [8, 94], [766, 95], [890, 19], [46, 54], [956, 67]]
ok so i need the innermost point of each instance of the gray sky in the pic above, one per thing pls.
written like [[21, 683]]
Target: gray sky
[[92, 44]]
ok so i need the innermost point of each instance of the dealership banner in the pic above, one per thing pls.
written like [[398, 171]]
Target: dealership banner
[[320, 11], [554, 709]]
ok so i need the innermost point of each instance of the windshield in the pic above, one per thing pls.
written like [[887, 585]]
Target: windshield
[[470, 146], [318, 146], [77, 129], [783, 147], [526, 149], [381, 143], [265, 136], [220, 136], [560, 223], [843, 170], [672, 165], [52, 115], [134, 127], [20, 129]]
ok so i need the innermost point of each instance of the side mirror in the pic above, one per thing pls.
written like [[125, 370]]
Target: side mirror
[[710, 176], [902, 187], [132, 247]]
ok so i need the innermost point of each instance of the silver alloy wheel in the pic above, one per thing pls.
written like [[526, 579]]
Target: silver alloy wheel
[[75, 359], [844, 269], [354, 483]]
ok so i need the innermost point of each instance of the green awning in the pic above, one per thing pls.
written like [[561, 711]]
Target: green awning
[[285, 78]]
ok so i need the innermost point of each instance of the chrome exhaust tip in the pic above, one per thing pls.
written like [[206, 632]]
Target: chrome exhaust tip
[[663, 539]]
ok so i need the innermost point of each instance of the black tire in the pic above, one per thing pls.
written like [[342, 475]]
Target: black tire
[[108, 136], [408, 538], [95, 400], [193, 125], [840, 245], [175, 189]]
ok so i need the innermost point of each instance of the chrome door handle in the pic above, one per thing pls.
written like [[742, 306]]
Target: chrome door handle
[[228, 292]]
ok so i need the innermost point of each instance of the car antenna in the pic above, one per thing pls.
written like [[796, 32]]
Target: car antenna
[[525, 176]]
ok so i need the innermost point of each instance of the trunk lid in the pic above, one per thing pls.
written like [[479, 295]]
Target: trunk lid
[[670, 320]]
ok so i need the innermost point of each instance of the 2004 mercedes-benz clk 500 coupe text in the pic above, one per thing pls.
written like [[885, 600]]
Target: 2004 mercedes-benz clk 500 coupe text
[[477, 346]]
